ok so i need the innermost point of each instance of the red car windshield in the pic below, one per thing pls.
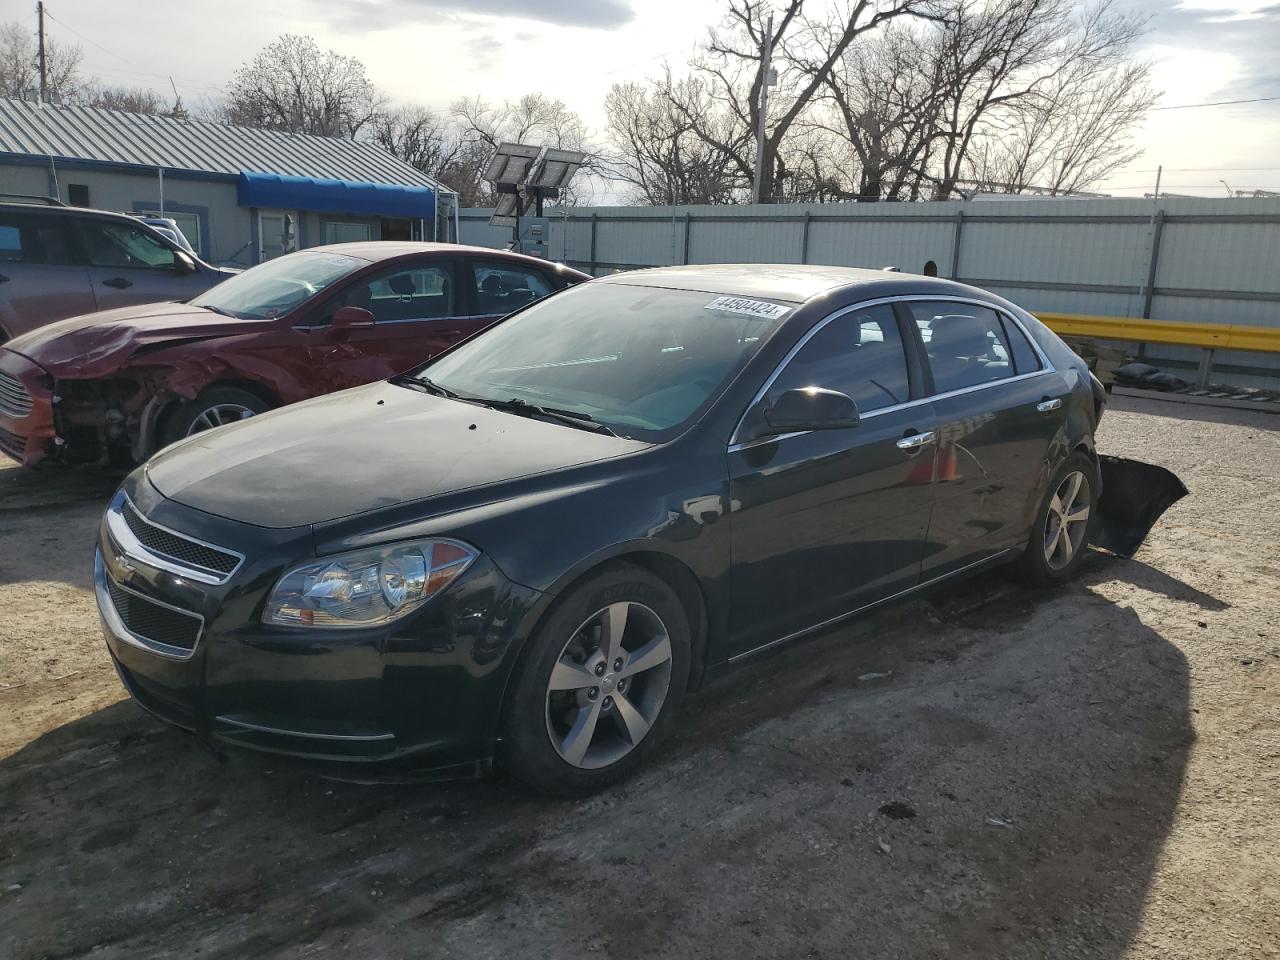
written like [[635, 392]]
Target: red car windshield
[[277, 286]]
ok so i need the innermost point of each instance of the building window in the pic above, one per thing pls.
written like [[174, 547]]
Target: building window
[[188, 223], [337, 231], [78, 194]]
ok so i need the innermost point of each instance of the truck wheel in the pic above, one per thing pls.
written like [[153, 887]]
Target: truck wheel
[[215, 407]]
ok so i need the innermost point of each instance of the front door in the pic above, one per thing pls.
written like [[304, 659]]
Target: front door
[[415, 307], [827, 521], [994, 397], [129, 264]]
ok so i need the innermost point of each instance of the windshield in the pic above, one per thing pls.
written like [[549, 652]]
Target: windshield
[[640, 360], [276, 287]]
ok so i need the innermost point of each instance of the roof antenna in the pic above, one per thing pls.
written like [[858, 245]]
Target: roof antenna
[[891, 269]]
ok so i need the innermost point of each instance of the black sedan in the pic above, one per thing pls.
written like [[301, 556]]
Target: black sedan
[[530, 548]]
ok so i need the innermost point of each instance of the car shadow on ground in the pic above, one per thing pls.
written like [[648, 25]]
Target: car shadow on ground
[[989, 773]]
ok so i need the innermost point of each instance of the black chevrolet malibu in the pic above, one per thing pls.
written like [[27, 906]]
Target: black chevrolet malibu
[[530, 548]]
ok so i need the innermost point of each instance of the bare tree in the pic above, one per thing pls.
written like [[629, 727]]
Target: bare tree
[[1001, 59], [654, 150], [417, 136], [20, 70], [293, 85], [807, 46], [127, 99]]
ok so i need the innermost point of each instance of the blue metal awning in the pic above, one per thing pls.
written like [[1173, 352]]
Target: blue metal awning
[[334, 196]]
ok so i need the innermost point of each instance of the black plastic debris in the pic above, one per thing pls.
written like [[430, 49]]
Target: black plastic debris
[[897, 810], [1134, 496]]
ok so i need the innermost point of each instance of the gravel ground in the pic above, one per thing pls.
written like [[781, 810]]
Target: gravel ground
[[1090, 772]]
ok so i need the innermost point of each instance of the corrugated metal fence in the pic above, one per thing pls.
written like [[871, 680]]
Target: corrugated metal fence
[[1192, 260]]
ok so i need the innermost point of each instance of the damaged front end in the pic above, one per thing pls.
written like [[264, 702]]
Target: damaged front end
[[1134, 496], [104, 420]]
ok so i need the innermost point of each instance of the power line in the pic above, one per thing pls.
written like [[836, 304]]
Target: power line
[[1215, 103], [138, 70]]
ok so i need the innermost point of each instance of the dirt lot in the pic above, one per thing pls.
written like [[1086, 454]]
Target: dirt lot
[[1093, 772]]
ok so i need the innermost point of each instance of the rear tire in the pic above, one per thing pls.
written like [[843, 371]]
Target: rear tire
[[591, 701], [214, 407], [1060, 535]]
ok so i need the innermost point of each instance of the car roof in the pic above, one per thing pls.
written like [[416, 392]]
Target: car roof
[[377, 250], [792, 282]]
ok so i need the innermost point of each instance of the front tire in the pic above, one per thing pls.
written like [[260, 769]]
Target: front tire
[[1060, 534], [598, 684], [214, 407]]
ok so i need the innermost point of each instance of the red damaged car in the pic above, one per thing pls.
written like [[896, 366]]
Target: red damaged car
[[120, 384]]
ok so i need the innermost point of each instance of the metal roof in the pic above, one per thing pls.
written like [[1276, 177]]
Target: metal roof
[[193, 146]]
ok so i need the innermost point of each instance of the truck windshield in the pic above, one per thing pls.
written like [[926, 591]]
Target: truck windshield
[[643, 361], [277, 286]]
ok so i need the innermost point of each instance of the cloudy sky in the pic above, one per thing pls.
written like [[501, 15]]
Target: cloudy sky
[[434, 51]]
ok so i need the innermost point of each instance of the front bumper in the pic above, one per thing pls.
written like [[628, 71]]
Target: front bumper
[[27, 431], [422, 694]]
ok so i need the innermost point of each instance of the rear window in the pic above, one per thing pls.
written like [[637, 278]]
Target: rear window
[[32, 238]]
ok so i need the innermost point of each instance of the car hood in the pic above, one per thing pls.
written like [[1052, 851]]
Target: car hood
[[361, 450], [95, 344]]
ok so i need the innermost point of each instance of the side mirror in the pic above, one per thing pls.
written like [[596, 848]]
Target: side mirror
[[183, 265], [811, 408], [350, 318]]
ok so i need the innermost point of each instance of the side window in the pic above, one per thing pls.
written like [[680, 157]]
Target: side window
[[859, 353], [965, 344], [109, 244], [416, 292], [1025, 359], [502, 288], [31, 238]]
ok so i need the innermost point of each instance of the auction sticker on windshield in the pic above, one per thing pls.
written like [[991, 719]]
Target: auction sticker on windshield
[[750, 308]]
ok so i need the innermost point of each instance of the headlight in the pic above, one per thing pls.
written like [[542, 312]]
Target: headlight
[[366, 588]]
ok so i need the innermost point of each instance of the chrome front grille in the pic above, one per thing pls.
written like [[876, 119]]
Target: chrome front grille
[[156, 545], [14, 400]]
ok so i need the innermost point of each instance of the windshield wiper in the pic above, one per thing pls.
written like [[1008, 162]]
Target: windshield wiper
[[570, 418], [430, 386], [220, 311]]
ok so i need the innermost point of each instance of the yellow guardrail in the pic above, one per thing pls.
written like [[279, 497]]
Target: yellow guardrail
[[1209, 336]]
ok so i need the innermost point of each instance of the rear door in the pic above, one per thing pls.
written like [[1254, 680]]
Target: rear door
[[41, 279], [827, 521], [499, 287], [1000, 406], [128, 264]]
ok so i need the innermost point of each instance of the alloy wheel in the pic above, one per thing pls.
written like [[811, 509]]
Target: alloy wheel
[[608, 685], [219, 415], [1067, 521]]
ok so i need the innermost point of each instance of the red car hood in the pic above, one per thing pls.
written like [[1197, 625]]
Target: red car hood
[[96, 344]]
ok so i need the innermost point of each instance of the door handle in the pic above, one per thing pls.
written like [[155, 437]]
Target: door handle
[[1048, 405], [913, 440], [118, 282], [3, 278]]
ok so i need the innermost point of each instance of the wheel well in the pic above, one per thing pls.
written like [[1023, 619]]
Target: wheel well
[[175, 403], [666, 568], [683, 581]]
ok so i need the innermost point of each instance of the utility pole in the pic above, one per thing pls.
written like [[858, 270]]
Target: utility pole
[[44, 96], [765, 72]]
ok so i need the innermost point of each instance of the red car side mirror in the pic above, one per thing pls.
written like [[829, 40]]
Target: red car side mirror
[[348, 318]]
